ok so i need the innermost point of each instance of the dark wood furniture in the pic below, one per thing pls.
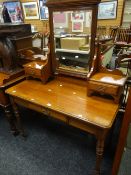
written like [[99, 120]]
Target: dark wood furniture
[[123, 63], [123, 38], [123, 136], [4, 100], [123, 35], [15, 50], [65, 99], [113, 32], [10, 70]]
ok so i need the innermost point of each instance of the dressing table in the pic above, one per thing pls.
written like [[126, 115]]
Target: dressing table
[[65, 99], [64, 95]]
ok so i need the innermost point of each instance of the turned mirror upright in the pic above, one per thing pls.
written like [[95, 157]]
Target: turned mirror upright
[[72, 35]]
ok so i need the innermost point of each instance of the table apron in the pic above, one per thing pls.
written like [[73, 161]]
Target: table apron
[[98, 131]]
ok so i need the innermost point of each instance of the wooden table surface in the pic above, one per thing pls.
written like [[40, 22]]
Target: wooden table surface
[[67, 98], [2, 77]]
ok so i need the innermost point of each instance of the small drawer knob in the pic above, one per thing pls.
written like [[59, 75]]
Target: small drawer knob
[[45, 111]]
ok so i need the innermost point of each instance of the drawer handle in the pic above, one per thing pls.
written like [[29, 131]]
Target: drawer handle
[[45, 111], [32, 72]]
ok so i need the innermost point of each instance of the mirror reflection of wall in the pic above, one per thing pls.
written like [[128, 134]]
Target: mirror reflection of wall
[[72, 35], [69, 22]]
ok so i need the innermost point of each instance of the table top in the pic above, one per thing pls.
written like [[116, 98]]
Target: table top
[[68, 97], [112, 79], [2, 77]]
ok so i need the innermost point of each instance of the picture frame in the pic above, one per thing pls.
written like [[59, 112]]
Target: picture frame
[[44, 15], [107, 10], [60, 19], [77, 16], [30, 10], [14, 9], [77, 26]]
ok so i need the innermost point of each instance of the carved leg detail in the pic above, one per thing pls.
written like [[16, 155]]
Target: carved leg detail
[[99, 155], [11, 120], [18, 118]]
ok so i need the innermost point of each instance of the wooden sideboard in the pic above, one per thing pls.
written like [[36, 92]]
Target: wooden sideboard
[[4, 100], [66, 99]]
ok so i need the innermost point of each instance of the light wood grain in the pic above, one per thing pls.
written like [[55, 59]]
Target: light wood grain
[[68, 98]]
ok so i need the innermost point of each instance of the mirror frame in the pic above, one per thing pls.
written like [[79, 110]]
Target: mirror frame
[[69, 5]]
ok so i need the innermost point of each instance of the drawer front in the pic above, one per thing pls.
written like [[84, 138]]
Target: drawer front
[[42, 110], [32, 72], [85, 127], [103, 88]]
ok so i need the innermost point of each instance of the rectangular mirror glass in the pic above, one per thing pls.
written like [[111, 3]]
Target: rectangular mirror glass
[[72, 37]]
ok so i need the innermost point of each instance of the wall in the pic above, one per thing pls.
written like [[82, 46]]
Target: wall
[[41, 25]]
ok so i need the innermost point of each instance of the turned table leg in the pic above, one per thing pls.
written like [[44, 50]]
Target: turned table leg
[[18, 118], [99, 155], [11, 119]]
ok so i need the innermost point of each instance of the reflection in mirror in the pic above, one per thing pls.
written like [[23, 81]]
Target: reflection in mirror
[[72, 35], [107, 54]]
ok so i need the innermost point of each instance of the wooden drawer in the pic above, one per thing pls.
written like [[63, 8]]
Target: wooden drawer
[[32, 72], [41, 109], [103, 88]]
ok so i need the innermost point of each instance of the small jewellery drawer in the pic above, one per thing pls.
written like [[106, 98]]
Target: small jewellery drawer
[[33, 72], [103, 88]]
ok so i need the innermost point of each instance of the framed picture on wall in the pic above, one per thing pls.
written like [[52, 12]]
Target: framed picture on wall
[[60, 19], [77, 16], [107, 10], [44, 15], [30, 10], [14, 10], [77, 26]]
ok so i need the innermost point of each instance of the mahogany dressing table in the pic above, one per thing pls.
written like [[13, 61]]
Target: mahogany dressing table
[[65, 99], [65, 96]]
